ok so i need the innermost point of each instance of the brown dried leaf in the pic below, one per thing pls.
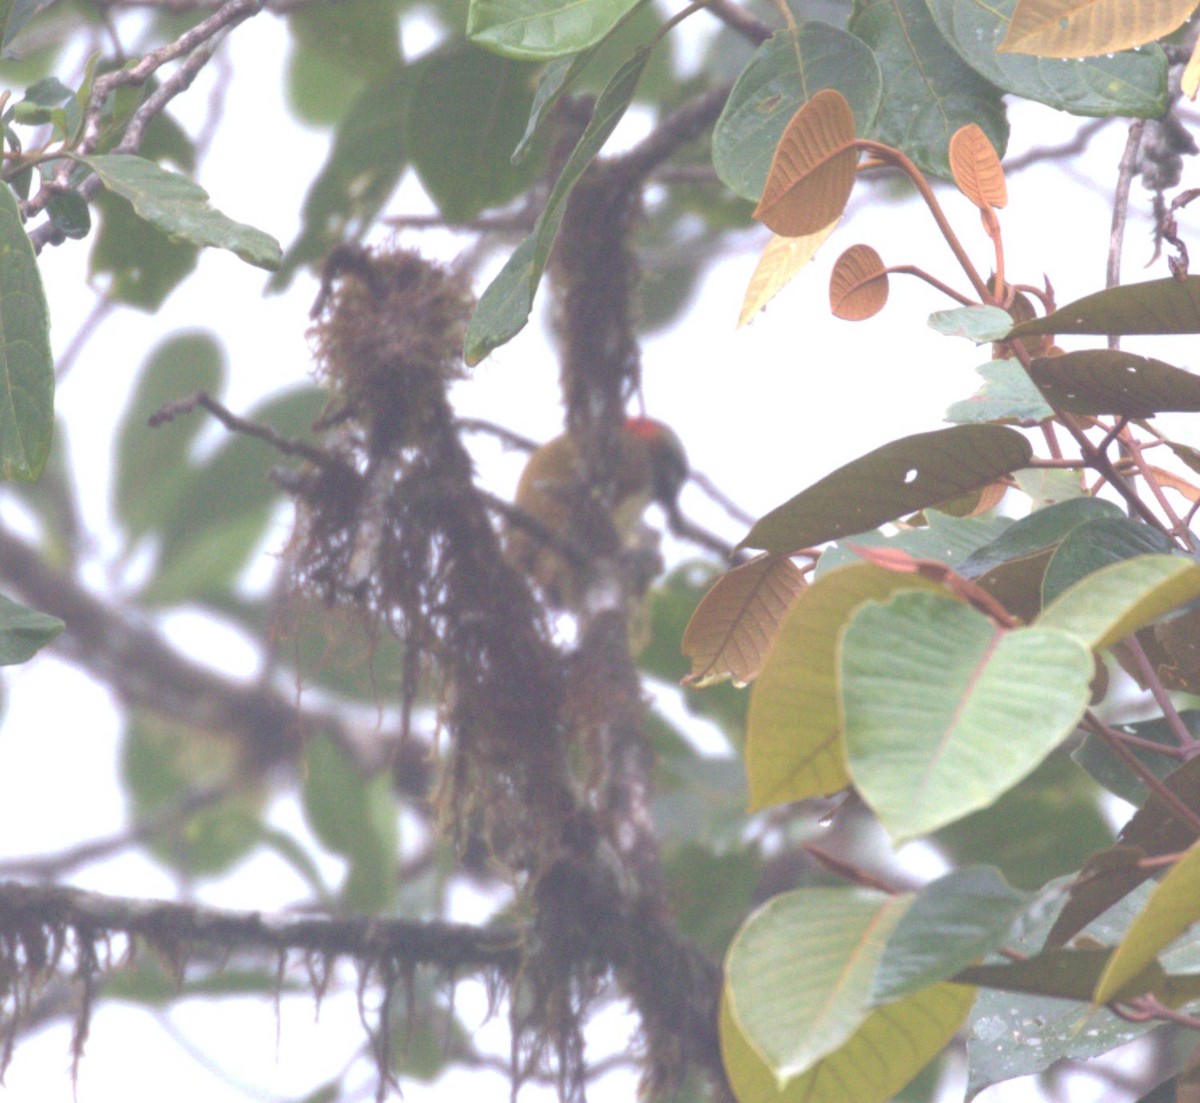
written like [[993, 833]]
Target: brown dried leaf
[[734, 625], [812, 172], [781, 260], [1087, 28], [858, 287], [976, 168]]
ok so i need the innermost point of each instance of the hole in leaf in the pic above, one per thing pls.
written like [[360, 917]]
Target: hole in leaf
[[910, 476]]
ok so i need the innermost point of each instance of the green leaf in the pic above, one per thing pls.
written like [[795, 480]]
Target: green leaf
[[1043, 827], [70, 215], [14, 15], [885, 1053], [354, 816], [794, 729], [143, 263], [504, 307], [890, 482], [798, 975], [483, 101], [1016, 1035], [24, 632], [151, 464], [977, 323], [1133, 82], [1044, 529], [1109, 604], [1049, 486], [26, 362], [1157, 306], [1108, 381], [1174, 905], [179, 207], [944, 538], [709, 894], [953, 922], [785, 72], [1095, 756], [538, 30], [928, 91], [945, 711], [1096, 544], [360, 173], [1008, 394], [1062, 973]]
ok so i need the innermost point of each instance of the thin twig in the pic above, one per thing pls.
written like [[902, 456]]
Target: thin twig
[[1116, 234]]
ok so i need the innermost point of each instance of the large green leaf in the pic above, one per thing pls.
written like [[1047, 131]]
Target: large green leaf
[[1109, 770], [466, 113], [26, 362], [1133, 82], [151, 463], [1096, 544], [1108, 381], [784, 74], [928, 91], [359, 175], [1007, 394], [953, 922], [504, 307], [1156, 306], [945, 711], [24, 632], [537, 30], [179, 207], [799, 973], [887, 1051], [1174, 905], [794, 728], [1109, 604], [897, 479]]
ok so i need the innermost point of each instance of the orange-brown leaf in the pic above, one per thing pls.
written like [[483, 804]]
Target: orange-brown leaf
[[1087, 28], [1189, 83], [735, 623], [781, 260], [976, 168], [858, 287], [812, 172]]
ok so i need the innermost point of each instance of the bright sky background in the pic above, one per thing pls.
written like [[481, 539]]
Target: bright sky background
[[763, 411]]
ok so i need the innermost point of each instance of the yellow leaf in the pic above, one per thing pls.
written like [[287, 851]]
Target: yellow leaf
[[794, 743], [812, 172], [858, 287], [781, 260], [1086, 28], [891, 1046], [733, 627], [1190, 81], [976, 168]]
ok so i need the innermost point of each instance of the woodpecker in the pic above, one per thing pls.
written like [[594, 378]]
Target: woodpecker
[[553, 495]]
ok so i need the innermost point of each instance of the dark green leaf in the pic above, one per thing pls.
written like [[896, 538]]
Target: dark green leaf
[[1095, 756], [1095, 544], [504, 307], [24, 632], [709, 894], [953, 922], [1045, 528], [1133, 82], [537, 30], [14, 15], [1065, 974], [179, 207], [26, 362], [895, 480], [1008, 394], [1157, 306], [1108, 381], [944, 538], [70, 215], [785, 73], [151, 463], [928, 91], [483, 101], [359, 175]]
